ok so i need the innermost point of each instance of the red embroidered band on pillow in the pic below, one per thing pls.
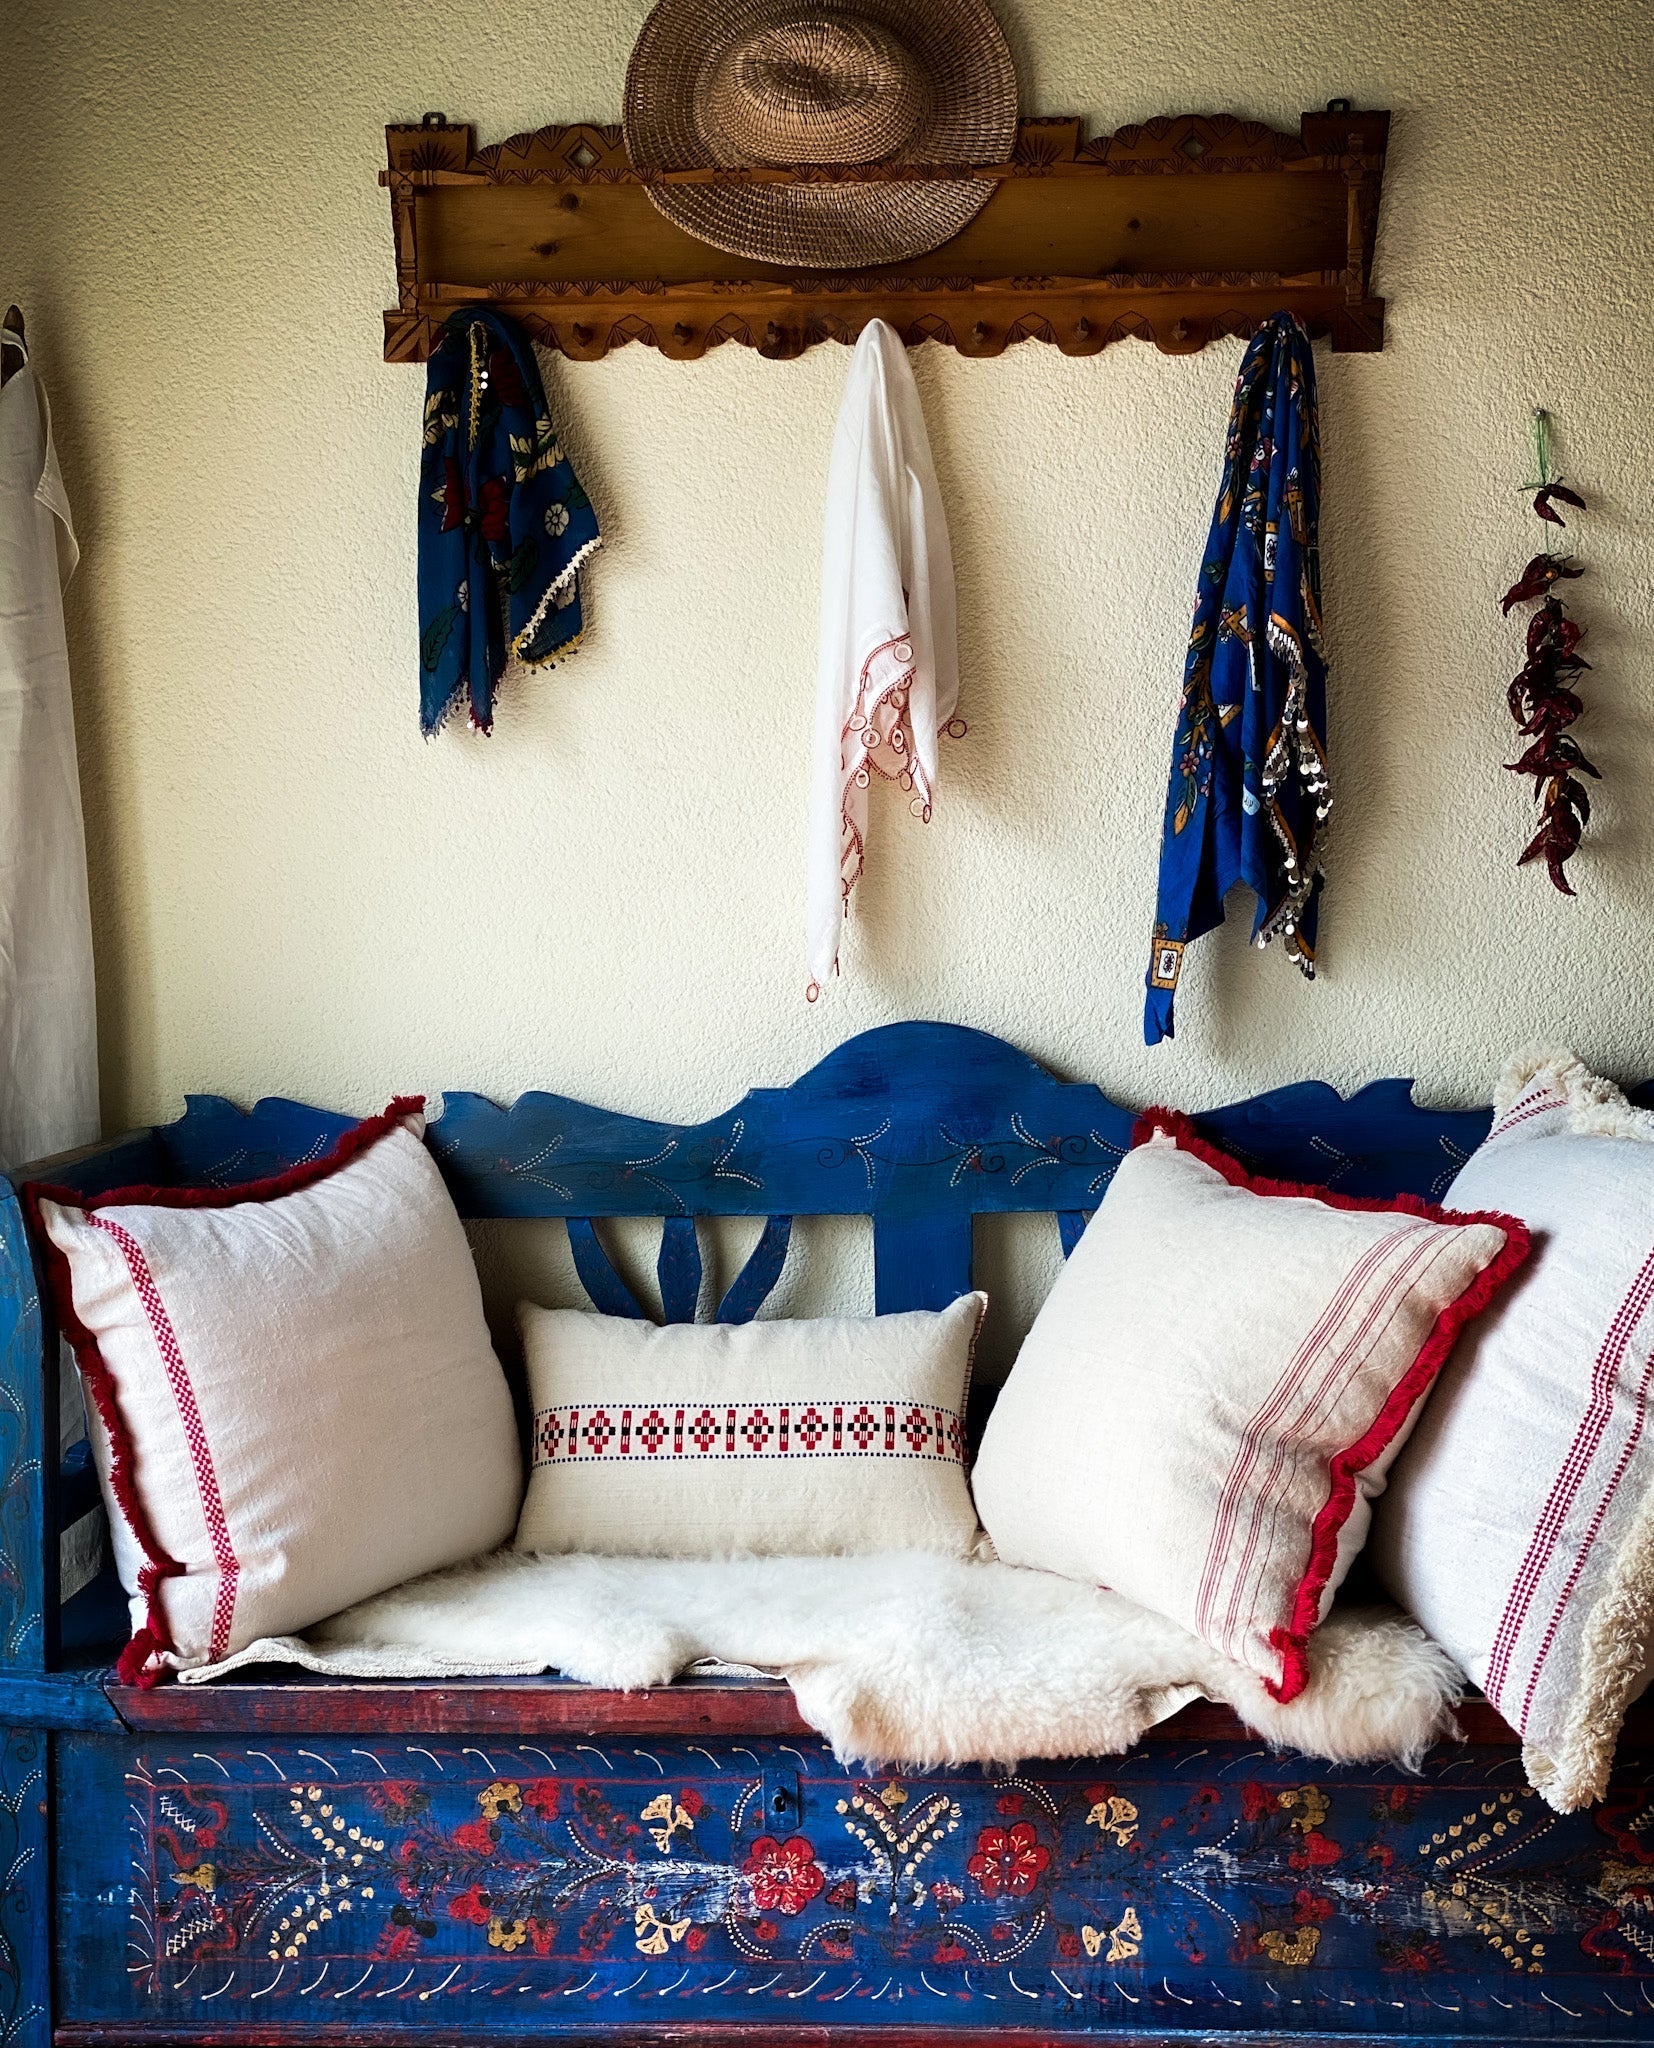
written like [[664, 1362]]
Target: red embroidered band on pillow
[[764, 1429], [844, 1433]]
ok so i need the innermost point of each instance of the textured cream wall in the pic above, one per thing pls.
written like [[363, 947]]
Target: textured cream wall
[[294, 893]]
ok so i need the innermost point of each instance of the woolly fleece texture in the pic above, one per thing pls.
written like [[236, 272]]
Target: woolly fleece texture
[[903, 1657]]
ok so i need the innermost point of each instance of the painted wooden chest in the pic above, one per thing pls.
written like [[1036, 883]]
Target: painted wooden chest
[[503, 1889]]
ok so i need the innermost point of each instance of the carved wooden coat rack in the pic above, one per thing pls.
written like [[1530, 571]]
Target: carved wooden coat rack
[[1183, 229]]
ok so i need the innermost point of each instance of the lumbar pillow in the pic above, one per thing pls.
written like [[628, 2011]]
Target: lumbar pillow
[[293, 1401], [1216, 1384], [1520, 1523], [711, 1440]]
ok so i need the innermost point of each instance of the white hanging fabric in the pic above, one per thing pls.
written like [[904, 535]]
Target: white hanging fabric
[[48, 1022], [887, 676]]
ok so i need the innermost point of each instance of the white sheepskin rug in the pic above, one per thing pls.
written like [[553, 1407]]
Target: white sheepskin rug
[[901, 1658]]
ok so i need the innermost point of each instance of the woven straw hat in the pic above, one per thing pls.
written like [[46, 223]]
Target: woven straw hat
[[792, 84]]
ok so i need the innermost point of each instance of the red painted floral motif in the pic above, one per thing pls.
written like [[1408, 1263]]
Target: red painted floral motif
[[1413, 1952], [397, 1800], [1315, 1853], [1009, 1860], [785, 1875]]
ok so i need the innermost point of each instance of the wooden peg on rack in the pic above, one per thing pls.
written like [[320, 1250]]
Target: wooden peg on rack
[[13, 359]]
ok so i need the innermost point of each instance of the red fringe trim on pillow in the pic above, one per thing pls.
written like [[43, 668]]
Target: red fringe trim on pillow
[[1292, 1640], [135, 1665]]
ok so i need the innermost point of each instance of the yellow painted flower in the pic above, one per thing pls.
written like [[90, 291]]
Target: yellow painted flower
[[1114, 1816], [1307, 1804], [500, 1797], [653, 1933], [506, 1934], [1294, 1949], [678, 1821], [1124, 1939]]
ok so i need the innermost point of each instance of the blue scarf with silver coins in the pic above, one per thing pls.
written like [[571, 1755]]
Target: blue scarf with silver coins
[[1249, 793], [503, 523]]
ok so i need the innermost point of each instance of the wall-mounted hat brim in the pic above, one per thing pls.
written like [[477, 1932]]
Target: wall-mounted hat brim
[[732, 84]]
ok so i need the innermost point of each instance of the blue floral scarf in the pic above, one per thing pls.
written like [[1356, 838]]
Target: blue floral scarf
[[503, 522], [1249, 791]]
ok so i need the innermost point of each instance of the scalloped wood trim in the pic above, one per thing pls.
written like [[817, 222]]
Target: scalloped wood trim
[[1178, 231]]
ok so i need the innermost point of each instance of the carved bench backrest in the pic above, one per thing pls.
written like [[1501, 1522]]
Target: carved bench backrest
[[919, 1126]]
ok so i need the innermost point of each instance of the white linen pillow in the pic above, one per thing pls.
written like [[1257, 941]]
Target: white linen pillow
[[1519, 1526], [1216, 1384], [777, 1438], [292, 1398]]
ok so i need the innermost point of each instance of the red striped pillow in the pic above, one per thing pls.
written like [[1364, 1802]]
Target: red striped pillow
[[1541, 1439], [292, 1397], [1217, 1384]]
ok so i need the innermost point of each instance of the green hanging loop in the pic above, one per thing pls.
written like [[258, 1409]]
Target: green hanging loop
[[1541, 450]]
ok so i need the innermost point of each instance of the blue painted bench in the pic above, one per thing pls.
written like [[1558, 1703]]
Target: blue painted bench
[[289, 1861]]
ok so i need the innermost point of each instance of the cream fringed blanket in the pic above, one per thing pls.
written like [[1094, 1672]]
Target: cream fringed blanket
[[904, 1658]]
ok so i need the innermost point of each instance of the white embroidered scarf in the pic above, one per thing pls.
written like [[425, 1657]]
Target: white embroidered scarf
[[887, 677]]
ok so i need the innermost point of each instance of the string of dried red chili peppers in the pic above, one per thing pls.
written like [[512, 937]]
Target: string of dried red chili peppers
[[1541, 700]]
